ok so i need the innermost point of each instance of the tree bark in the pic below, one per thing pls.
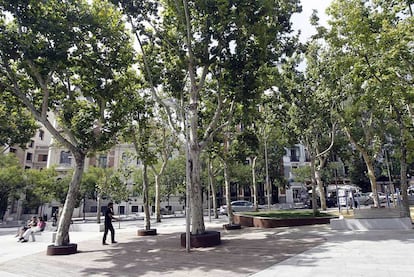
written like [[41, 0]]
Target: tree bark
[[372, 178], [157, 175], [319, 182], [403, 170], [197, 218], [98, 207], [254, 186], [370, 168], [145, 197], [214, 199], [62, 236], [212, 187], [313, 182], [321, 189], [157, 198], [268, 186], [228, 193]]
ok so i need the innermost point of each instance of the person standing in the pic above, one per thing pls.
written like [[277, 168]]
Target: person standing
[[109, 216]]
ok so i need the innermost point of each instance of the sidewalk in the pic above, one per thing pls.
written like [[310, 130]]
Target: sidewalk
[[295, 251]]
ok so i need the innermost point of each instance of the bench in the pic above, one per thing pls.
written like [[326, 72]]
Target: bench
[[38, 233], [35, 234]]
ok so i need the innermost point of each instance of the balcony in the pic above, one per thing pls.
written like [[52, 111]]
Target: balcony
[[294, 158]]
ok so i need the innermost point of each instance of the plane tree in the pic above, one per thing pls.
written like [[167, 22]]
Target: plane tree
[[305, 116], [198, 42], [369, 48], [164, 143], [63, 61]]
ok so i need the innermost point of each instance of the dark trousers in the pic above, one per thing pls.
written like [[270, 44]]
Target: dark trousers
[[111, 228]]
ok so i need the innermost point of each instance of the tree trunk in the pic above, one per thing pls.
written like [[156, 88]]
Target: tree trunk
[[157, 185], [370, 168], [321, 188], [62, 236], [157, 198], [228, 194], [145, 197], [212, 187], [372, 178], [98, 207], [403, 171], [214, 199], [197, 218], [255, 196], [210, 184], [268, 187], [313, 181]]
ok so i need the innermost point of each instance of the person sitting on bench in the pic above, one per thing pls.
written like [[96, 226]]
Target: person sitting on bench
[[30, 223], [39, 228]]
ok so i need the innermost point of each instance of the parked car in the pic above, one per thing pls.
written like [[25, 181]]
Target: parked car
[[362, 198], [330, 202], [382, 197], [238, 206]]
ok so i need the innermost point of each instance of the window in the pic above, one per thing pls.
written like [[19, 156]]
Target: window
[[31, 144], [124, 157], [29, 156], [103, 160], [294, 154], [42, 158], [134, 209], [41, 134], [65, 157]]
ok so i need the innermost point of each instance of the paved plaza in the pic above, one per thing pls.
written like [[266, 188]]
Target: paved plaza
[[294, 251]]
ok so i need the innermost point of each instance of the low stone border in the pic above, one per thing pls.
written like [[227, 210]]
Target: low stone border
[[367, 224], [208, 239], [265, 222], [231, 226], [378, 213], [150, 232], [71, 248]]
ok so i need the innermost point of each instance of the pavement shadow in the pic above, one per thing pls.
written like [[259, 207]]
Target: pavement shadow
[[241, 253]]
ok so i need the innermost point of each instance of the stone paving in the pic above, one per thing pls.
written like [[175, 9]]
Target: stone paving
[[294, 251]]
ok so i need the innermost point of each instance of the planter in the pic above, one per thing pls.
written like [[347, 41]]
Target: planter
[[208, 239], [246, 221], [265, 222], [231, 226], [71, 248], [150, 232]]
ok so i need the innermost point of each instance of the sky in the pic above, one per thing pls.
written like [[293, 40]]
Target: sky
[[301, 21]]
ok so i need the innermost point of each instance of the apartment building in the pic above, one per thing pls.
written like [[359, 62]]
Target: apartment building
[[34, 156]]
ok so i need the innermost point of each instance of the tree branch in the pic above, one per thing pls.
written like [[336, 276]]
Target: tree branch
[[211, 130], [371, 69], [191, 70], [43, 85], [38, 116], [331, 144], [151, 82]]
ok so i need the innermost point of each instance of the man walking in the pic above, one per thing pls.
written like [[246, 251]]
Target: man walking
[[109, 216]]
